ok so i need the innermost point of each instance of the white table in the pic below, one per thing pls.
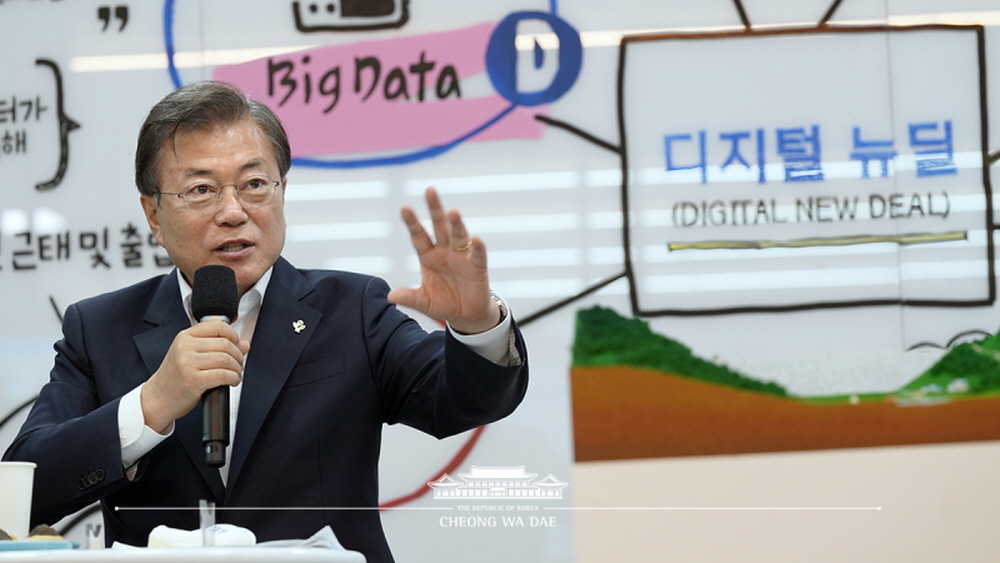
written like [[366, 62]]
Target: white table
[[189, 555]]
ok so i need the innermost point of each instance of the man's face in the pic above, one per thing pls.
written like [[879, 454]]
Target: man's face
[[248, 240]]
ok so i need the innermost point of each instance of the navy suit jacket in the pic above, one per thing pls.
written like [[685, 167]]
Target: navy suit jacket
[[310, 416]]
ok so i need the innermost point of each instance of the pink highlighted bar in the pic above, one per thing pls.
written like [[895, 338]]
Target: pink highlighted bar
[[382, 95]]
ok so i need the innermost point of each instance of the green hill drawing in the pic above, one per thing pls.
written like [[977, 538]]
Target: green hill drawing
[[969, 368], [603, 337]]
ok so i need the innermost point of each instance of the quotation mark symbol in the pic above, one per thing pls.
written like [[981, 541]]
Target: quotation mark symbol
[[104, 14]]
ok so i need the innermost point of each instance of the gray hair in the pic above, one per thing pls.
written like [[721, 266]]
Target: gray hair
[[198, 107]]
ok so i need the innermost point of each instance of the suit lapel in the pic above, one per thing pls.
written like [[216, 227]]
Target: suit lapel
[[166, 317], [276, 348]]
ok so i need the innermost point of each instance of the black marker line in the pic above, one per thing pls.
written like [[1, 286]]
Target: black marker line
[[560, 304], [579, 132], [829, 13], [743, 15], [65, 126]]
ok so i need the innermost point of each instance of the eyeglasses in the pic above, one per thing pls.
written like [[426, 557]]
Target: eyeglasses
[[202, 197]]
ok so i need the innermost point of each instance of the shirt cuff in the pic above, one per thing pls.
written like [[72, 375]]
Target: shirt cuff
[[496, 344], [136, 439]]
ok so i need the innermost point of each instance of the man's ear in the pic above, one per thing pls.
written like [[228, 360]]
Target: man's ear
[[151, 209]]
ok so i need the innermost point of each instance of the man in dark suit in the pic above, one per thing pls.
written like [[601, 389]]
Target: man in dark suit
[[331, 360]]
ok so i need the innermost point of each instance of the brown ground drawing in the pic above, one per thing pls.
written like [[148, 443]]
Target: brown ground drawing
[[623, 413]]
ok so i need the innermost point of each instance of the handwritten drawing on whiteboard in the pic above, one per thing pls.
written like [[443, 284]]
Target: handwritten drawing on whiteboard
[[637, 393], [348, 15], [848, 170], [406, 94], [380, 95]]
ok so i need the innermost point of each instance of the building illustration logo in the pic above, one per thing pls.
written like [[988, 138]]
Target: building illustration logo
[[498, 483]]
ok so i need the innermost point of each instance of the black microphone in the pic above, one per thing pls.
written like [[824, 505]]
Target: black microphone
[[214, 296]]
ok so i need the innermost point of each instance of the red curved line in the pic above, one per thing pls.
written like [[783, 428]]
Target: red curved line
[[451, 467]]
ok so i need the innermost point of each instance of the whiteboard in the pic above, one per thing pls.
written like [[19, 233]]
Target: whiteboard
[[558, 159]]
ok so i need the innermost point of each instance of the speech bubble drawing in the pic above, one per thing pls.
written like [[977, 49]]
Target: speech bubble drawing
[[809, 168]]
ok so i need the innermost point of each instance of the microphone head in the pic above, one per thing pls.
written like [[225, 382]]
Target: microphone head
[[214, 293]]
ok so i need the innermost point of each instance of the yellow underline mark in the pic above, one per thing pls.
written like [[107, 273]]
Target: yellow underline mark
[[917, 238]]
